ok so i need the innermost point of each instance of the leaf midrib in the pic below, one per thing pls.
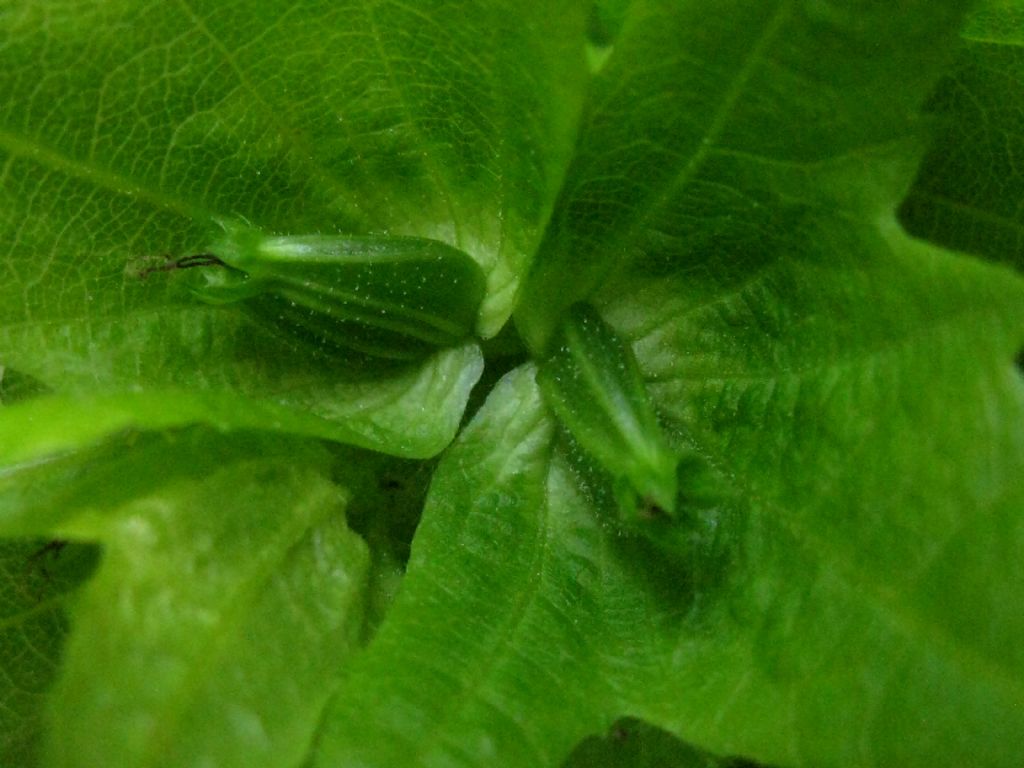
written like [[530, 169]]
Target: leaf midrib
[[706, 144]]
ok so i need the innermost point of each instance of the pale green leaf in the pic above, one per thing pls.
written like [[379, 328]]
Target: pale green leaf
[[229, 595], [128, 128], [847, 601]]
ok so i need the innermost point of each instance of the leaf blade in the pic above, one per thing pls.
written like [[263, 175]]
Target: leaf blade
[[209, 637]]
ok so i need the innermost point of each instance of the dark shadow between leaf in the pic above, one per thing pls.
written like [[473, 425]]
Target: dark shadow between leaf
[[15, 386], [632, 743], [32, 613], [387, 497], [124, 467], [502, 354], [63, 564]]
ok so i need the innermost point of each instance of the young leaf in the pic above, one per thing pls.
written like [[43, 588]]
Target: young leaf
[[591, 382], [399, 298]]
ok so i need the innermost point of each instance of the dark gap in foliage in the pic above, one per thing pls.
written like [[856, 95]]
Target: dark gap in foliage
[[36, 577], [957, 200], [599, 32], [604, 24], [387, 498], [502, 354], [632, 743], [15, 386], [67, 564], [48, 567], [1020, 362]]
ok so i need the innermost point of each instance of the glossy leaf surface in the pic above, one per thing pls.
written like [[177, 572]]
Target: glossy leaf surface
[[395, 298], [723, 181], [445, 121]]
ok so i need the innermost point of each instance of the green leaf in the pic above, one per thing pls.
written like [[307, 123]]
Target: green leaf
[[592, 383], [880, 460], [230, 593], [846, 595], [127, 130], [694, 109], [996, 21], [969, 190], [848, 603], [460, 672], [36, 581], [373, 414]]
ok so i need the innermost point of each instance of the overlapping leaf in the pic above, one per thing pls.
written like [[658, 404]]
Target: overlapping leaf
[[688, 119], [37, 579], [732, 212], [849, 597], [126, 128], [970, 191], [229, 595]]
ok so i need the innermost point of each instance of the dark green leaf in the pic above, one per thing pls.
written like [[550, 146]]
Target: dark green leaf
[[970, 189], [36, 581], [634, 744], [695, 113]]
